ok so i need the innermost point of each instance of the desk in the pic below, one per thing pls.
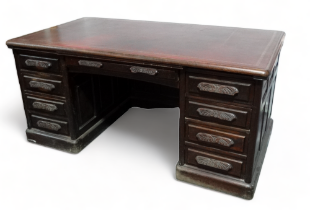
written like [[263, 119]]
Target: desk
[[79, 77]]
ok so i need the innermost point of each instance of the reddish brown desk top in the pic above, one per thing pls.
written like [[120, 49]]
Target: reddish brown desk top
[[246, 51]]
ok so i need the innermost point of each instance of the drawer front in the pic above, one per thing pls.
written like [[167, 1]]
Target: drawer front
[[220, 89], [134, 70], [214, 163], [219, 113], [214, 138], [50, 125], [43, 85], [46, 106], [48, 65]]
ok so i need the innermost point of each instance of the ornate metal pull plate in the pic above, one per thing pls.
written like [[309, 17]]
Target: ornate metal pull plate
[[216, 114], [41, 85], [44, 106], [149, 71], [215, 139], [213, 163], [39, 64], [95, 64], [48, 125], [215, 88]]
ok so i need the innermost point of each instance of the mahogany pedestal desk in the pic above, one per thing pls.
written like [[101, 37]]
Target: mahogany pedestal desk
[[77, 78]]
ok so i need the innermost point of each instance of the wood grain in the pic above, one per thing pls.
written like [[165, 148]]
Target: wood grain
[[77, 78], [238, 50]]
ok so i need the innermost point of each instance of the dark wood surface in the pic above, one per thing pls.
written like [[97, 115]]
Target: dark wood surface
[[78, 78], [216, 138], [239, 50], [232, 186]]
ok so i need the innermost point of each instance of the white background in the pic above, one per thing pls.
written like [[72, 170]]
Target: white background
[[132, 164]]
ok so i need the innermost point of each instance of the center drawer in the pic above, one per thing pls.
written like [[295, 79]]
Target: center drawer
[[146, 72]]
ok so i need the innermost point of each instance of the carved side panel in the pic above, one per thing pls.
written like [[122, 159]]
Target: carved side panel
[[93, 97], [213, 163], [84, 99], [104, 94], [216, 114]]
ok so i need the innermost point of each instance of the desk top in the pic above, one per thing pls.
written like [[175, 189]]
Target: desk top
[[238, 50]]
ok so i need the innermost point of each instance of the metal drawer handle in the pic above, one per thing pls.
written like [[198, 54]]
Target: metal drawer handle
[[39, 64], [215, 139], [44, 106], [90, 63], [143, 70], [48, 125], [213, 163], [215, 88], [42, 85], [216, 114]]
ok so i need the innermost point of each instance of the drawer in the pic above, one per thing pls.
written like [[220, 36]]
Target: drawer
[[220, 113], [50, 125], [215, 138], [49, 65], [133, 71], [220, 88], [45, 106], [43, 85], [214, 163]]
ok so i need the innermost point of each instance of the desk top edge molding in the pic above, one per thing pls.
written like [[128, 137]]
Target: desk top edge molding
[[149, 55]]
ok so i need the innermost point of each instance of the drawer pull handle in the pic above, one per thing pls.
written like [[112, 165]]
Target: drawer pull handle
[[90, 63], [213, 163], [38, 64], [48, 125], [216, 114], [44, 106], [215, 139], [42, 85], [215, 88], [143, 70]]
